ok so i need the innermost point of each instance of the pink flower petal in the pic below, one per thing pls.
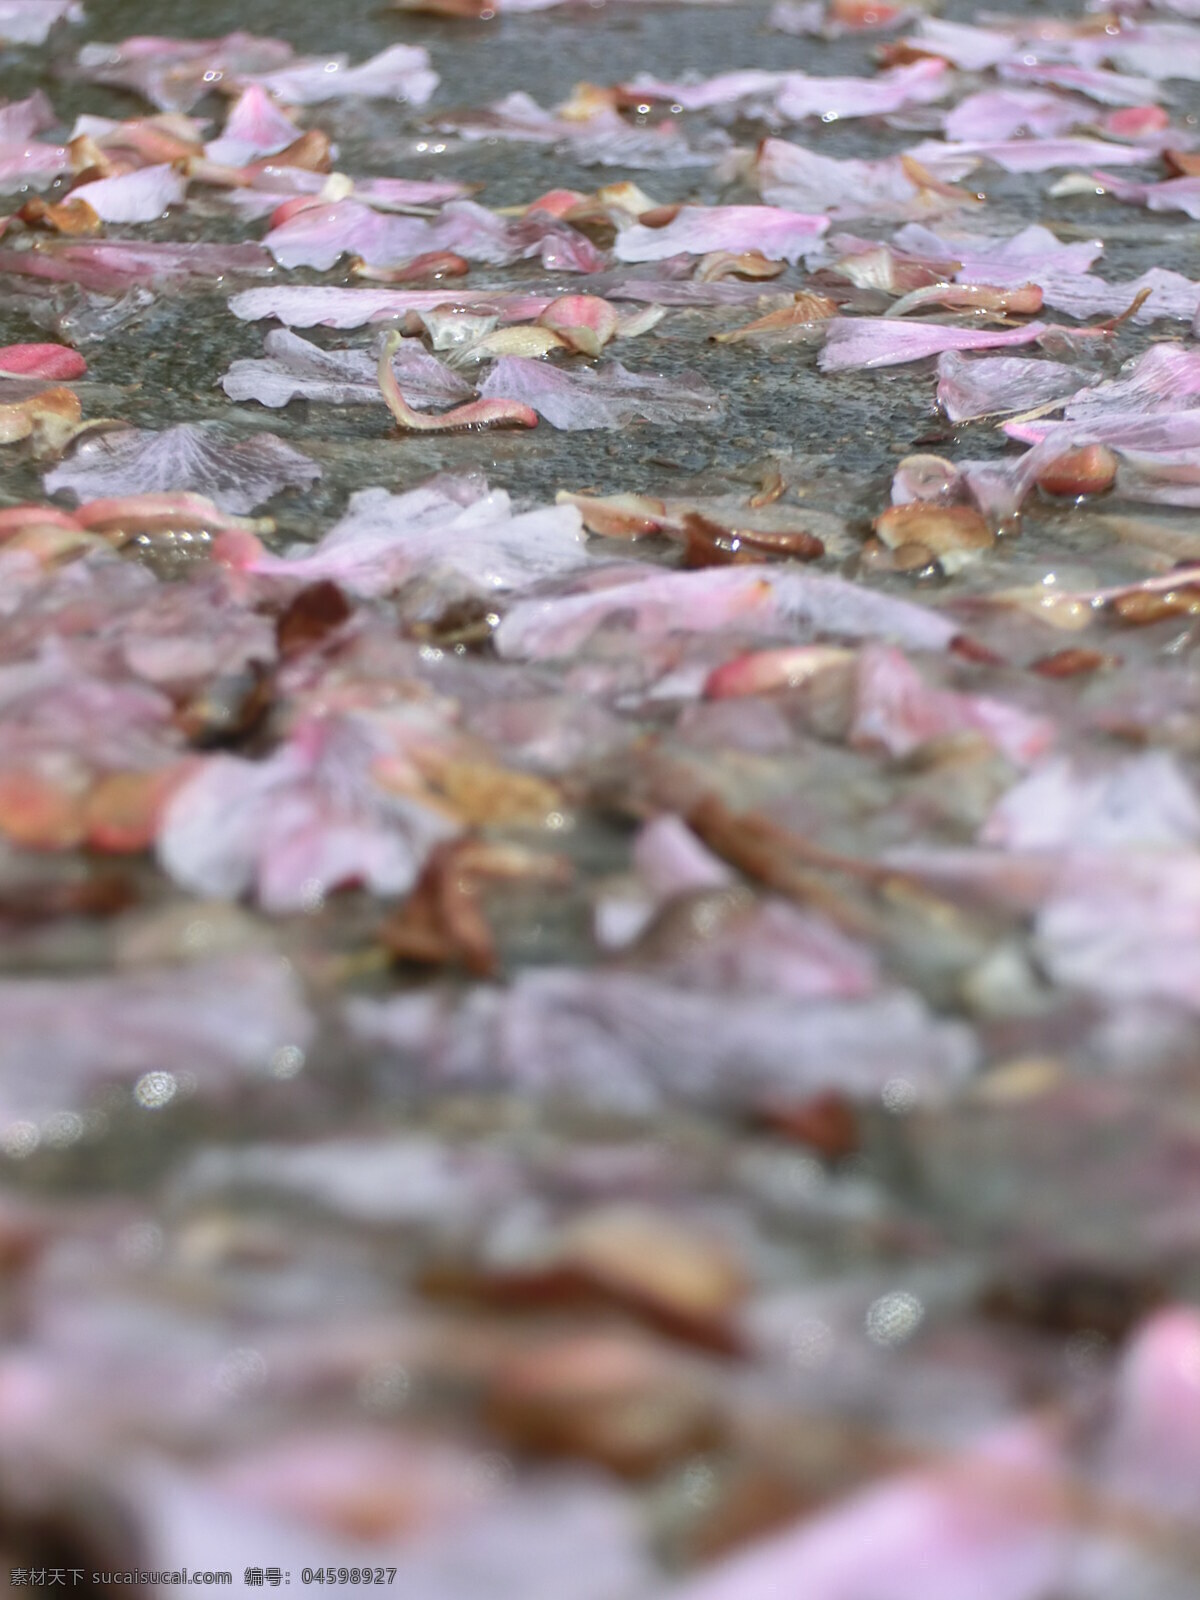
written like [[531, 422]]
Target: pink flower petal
[[295, 369], [238, 472], [31, 21], [141, 196], [329, 307], [608, 396], [765, 599], [781, 235], [885, 342], [401, 72], [585, 321], [54, 361], [992, 385], [896, 709], [457, 526], [254, 127]]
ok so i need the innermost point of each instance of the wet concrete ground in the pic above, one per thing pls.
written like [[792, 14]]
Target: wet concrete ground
[[1036, 1175]]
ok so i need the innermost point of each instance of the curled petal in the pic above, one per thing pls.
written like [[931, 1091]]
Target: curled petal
[[585, 322], [806, 312], [15, 519], [15, 423], [926, 477], [38, 813], [1023, 300], [476, 414], [953, 535], [617, 516], [50, 543], [55, 361], [122, 812], [708, 543], [557, 202], [631, 324], [762, 671], [926, 183], [311, 152], [432, 265], [1088, 469], [72, 217], [519, 341], [87, 157], [162, 513], [49, 419], [627, 196], [737, 264]]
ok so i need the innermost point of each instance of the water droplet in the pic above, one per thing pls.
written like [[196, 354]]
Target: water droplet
[[893, 1318]]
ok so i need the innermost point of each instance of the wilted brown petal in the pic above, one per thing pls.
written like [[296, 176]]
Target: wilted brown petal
[[954, 535], [827, 1123], [732, 264], [608, 1397], [806, 311], [74, 218], [311, 616], [1073, 663], [681, 1279], [39, 813], [122, 812], [1091, 469], [617, 516]]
